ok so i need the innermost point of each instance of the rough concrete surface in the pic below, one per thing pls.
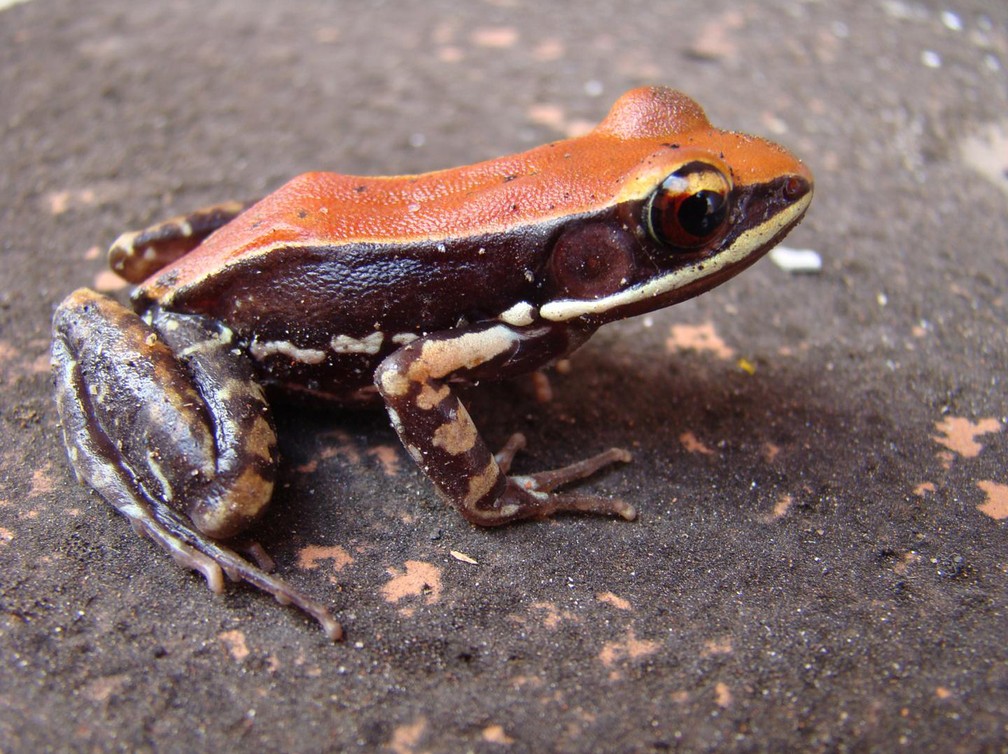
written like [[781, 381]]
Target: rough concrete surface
[[821, 560]]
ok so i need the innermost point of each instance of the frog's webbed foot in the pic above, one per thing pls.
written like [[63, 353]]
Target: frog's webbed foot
[[191, 549], [171, 432], [541, 484], [138, 254]]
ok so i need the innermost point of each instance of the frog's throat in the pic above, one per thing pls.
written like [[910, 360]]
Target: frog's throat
[[753, 240]]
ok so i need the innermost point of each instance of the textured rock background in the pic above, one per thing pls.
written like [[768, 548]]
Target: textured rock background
[[820, 561]]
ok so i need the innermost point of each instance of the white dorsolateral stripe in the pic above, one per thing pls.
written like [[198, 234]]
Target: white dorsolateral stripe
[[754, 238], [261, 349], [346, 344], [519, 315]]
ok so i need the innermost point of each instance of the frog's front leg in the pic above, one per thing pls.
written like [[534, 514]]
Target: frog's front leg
[[168, 425], [441, 437]]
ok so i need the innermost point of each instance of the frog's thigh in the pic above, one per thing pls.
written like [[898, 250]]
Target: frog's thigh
[[138, 254], [175, 424]]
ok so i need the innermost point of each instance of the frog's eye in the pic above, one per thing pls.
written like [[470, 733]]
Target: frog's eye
[[689, 209]]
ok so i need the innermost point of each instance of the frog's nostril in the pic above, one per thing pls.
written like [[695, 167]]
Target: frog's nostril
[[796, 187]]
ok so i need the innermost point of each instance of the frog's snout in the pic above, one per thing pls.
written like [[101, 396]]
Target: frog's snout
[[797, 186]]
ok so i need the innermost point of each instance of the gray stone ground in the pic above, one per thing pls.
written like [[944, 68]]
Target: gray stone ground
[[820, 562]]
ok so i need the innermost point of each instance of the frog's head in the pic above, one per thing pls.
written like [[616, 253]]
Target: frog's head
[[698, 208]]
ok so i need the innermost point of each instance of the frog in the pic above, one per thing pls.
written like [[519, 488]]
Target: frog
[[395, 291]]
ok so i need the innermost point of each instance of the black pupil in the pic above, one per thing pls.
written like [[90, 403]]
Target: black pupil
[[702, 213]]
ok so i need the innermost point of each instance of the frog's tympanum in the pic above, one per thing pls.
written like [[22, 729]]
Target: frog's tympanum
[[393, 289]]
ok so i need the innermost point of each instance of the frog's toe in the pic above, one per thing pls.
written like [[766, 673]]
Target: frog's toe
[[541, 485], [590, 504], [194, 560], [505, 456], [547, 481], [252, 549]]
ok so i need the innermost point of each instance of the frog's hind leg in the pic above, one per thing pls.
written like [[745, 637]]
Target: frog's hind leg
[[138, 254], [171, 432]]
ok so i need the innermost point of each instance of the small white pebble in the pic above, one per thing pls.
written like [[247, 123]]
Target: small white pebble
[[796, 260], [931, 59], [776, 125], [594, 88], [903, 11], [951, 20]]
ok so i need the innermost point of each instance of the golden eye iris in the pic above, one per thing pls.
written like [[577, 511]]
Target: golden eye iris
[[689, 209]]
